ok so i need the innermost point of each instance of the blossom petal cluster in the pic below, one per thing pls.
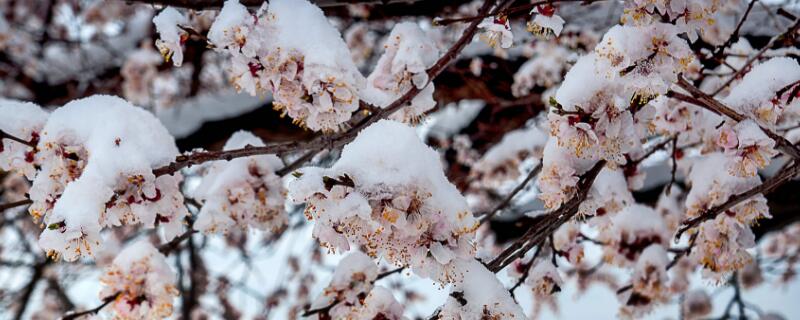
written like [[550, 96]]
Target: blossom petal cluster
[[399, 208], [289, 49], [94, 161], [353, 294], [409, 52], [141, 283], [242, 192]]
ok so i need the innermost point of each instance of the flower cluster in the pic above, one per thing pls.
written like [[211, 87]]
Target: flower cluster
[[544, 69], [649, 282], [241, 192], [393, 206], [693, 17], [480, 295], [22, 120], [290, 49], [409, 53], [497, 32], [141, 283], [633, 230], [353, 295], [502, 162], [139, 72], [168, 24], [94, 159], [722, 242]]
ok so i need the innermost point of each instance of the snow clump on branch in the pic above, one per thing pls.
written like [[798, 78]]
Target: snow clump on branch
[[392, 199], [242, 192], [96, 157]]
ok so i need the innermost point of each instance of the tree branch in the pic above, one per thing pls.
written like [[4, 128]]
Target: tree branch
[[174, 244], [706, 101], [788, 34], [95, 310], [537, 233], [322, 142], [507, 200], [6, 206], [771, 184], [325, 309]]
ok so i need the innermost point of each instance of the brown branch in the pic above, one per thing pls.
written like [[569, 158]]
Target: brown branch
[[537, 233], [95, 310], [706, 101], [507, 200], [735, 35], [9, 205], [769, 185], [27, 292], [650, 151], [325, 309], [174, 244], [674, 165], [6, 135], [322, 142], [788, 34]]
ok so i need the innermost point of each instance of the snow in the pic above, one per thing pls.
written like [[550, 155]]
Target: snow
[[484, 294], [754, 94], [23, 120], [113, 144], [408, 55], [226, 28], [143, 280], [170, 43], [401, 208], [241, 192]]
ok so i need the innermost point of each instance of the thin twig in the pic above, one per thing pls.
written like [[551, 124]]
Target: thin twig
[[507, 200], [173, 244], [321, 142], [95, 310], [735, 35], [6, 206], [6, 135], [788, 33], [766, 187], [537, 233], [706, 101], [325, 309]]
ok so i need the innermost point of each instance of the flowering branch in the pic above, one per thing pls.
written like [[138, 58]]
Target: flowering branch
[[327, 308], [6, 135], [536, 235], [502, 205], [704, 100], [322, 142], [95, 310], [771, 184], [788, 34]]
